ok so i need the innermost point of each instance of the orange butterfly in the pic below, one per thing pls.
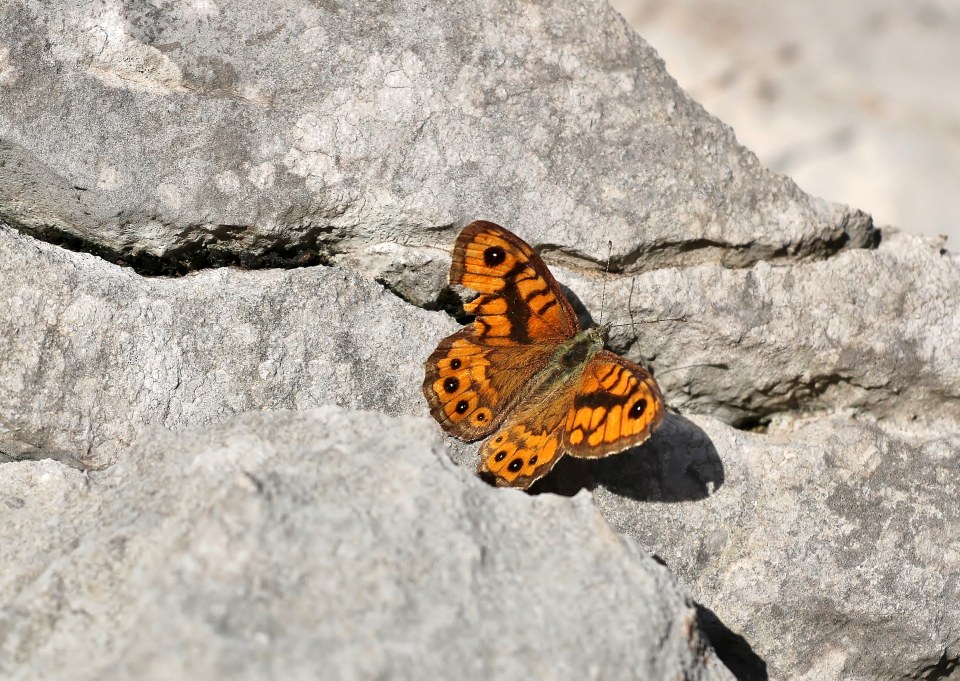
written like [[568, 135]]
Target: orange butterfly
[[526, 370]]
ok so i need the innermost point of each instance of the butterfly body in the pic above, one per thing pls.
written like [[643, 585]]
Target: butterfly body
[[566, 364], [526, 371]]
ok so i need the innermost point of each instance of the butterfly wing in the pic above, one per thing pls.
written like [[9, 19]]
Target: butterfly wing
[[528, 445], [617, 405], [471, 386], [520, 302], [476, 376], [612, 405]]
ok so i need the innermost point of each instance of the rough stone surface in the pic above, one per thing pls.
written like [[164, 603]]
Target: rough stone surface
[[322, 544], [92, 353], [756, 343], [832, 548], [829, 94], [181, 136], [173, 139], [866, 331]]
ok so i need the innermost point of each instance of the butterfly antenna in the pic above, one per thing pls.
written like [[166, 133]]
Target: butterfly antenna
[[606, 271], [710, 365], [650, 321]]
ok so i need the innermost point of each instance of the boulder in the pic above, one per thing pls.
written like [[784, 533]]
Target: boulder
[[91, 354], [832, 547], [322, 544], [292, 133]]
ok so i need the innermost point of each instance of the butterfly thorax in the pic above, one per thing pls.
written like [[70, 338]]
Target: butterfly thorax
[[569, 359], [576, 352]]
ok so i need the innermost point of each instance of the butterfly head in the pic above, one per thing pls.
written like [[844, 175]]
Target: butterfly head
[[600, 335]]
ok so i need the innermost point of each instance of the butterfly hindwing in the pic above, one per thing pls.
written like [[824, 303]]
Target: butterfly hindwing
[[471, 387], [611, 405], [526, 447], [617, 404]]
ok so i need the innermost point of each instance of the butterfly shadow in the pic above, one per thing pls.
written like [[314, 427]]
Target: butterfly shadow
[[583, 314], [679, 463]]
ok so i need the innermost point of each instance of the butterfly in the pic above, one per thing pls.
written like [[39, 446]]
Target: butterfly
[[526, 372]]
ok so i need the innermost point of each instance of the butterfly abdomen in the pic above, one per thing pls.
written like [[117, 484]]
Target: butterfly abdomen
[[566, 363]]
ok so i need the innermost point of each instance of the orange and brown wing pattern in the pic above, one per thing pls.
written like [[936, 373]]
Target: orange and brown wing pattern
[[527, 446], [617, 405], [501, 373], [520, 302], [471, 387]]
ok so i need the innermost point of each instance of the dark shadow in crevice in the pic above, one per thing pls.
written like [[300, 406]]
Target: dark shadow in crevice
[[944, 668], [583, 314], [732, 649], [17, 449], [216, 246], [679, 463], [856, 230]]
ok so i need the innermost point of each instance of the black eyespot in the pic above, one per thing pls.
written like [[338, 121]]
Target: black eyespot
[[451, 384], [500, 456], [481, 416], [462, 406], [515, 465], [499, 439], [636, 411], [455, 363], [494, 256], [533, 459]]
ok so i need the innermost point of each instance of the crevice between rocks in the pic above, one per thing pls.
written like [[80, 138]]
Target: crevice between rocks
[[795, 395], [213, 251], [15, 449], [856, 231], [789, 396], [737, 256], [216, 245]]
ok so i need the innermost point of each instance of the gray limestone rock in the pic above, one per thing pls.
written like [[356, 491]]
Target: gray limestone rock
[[832, 548], [864, 332], [756, 343], [855, 101], [181, 137], [91, 353], [178, 136], [322, 544]]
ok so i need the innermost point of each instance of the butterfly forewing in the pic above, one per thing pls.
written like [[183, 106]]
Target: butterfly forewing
[[520, 302], [474, 377]]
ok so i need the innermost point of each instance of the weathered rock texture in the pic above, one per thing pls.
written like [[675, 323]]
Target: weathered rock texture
[[182, 136], [833, 548], [830, 94], [867, 331], [177, 138], [91, 353], [323, 544]]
